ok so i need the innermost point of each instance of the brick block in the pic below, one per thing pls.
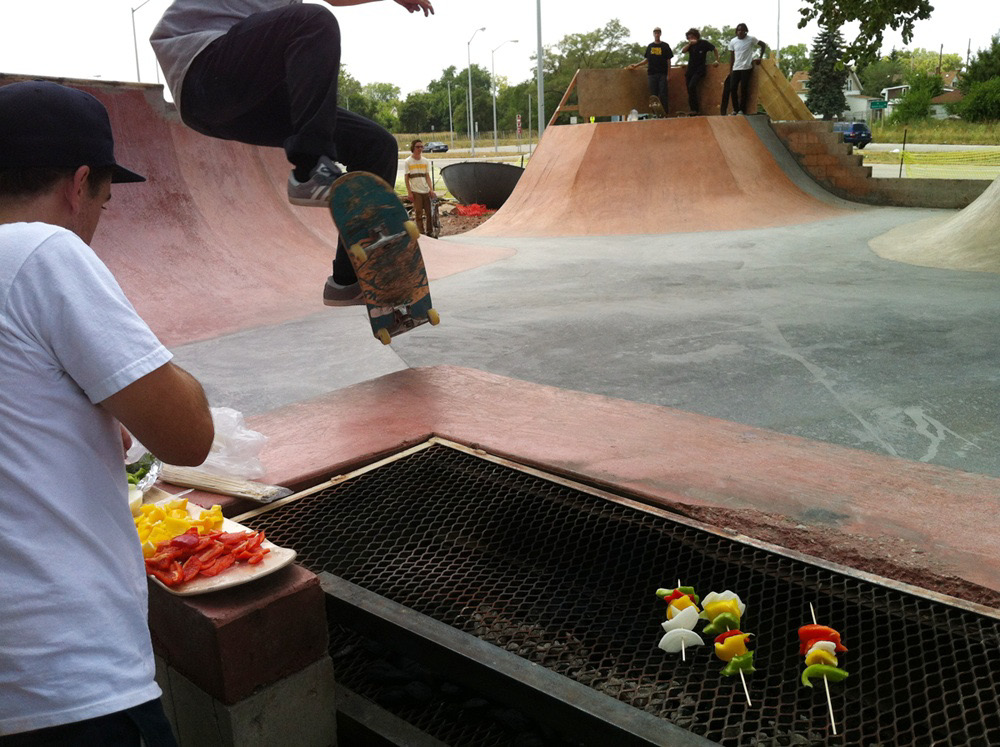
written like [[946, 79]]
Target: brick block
[[230, 643]]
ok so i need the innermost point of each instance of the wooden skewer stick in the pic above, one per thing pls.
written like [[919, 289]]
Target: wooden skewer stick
[[826, 682], [746, 691], [683, 654]]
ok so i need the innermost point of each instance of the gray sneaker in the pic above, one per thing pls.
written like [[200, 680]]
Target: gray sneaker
[[342, 295], [315, 191]]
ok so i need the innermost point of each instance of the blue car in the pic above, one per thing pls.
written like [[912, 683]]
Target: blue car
[[855, 133]]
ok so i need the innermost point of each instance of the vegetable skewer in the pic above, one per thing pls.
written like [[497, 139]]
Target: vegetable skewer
[[820, 644]]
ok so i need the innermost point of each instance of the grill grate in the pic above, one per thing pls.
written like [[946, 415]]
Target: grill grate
[[565, 579]]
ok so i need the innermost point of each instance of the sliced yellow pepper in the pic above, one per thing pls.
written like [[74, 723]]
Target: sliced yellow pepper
[[734, 645], [677, 605], [819, 656], [714, 609]]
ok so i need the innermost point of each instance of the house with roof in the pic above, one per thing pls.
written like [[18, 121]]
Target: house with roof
[[858, 107]]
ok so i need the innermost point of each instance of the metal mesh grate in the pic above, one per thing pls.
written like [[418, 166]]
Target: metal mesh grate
[[566, 579]]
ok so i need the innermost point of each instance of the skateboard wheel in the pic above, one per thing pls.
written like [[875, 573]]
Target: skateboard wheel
[[433, 317], [359, 253], [412, 230], [383, 336]]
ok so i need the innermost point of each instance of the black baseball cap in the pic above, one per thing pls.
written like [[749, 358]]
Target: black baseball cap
[[48, 125]]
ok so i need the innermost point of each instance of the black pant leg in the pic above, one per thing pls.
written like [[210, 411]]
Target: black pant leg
[[693, 81], [270, 80]]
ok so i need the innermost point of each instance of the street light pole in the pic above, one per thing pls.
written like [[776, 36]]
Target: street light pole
[[135, 42], [451, 122], [541, 78], [468, 51], [493, 81]]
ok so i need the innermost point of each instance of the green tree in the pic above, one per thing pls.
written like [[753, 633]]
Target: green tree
[[873, 18], [350, 95], [416, 113], [921, 60], [385, 97], [981, 103], [606, 47], [793, 59], [882, 73], [916, 102], [984, 66], [827, 74]]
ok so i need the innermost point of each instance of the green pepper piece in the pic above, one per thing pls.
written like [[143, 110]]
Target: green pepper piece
[[741, 663], [689, 590], [722, 623], [833, 674], [132, 479]]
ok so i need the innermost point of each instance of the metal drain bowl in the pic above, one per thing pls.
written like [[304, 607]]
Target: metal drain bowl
[[563, 576]]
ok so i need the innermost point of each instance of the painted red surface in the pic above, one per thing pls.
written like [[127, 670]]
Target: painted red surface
[[209, 244], [672, 457]]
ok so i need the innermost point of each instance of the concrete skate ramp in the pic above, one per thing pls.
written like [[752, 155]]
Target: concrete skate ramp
[[653, 177], [209, 244], [966, 240]]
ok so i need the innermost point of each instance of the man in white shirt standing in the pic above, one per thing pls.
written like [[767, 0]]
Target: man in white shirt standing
[[417, 175], [265, 72], [76, 365], [741, 64]]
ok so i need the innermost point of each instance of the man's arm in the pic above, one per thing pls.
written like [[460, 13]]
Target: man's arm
[[414, 6], [763, 49], [167, 411], [635, 65]]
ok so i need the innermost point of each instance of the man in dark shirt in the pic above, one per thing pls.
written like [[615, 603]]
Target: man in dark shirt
[[697, 50], [657, 60]]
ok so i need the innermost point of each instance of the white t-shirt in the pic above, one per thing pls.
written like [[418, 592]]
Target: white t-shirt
[[419, 173], [188, 26], [74, 638], [742, 50]]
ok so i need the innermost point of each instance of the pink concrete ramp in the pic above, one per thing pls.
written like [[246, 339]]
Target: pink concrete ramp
[[209, 244], [653, 177]]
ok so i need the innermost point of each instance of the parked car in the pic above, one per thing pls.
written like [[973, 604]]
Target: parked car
[[856, 133], [435, 147]]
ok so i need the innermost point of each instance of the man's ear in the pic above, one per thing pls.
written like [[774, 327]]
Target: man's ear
[[75, 188]]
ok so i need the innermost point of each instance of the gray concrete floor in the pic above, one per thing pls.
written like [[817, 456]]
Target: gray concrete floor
[[799, 329]]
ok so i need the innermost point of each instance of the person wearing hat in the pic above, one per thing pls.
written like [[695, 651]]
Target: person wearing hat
[[78, 367], [265, 72], [657, 62]]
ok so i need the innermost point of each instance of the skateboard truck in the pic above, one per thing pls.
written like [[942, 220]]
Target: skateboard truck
[[380, 238]]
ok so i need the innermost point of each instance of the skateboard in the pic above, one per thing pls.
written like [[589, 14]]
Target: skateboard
[[382, 245], [656, 107], [435, 213]]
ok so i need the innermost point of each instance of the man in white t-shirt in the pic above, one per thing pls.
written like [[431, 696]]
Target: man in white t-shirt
[[741, 64], [417, 175], [265, 72], [76, 365]]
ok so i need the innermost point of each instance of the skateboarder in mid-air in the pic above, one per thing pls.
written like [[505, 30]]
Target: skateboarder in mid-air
[[266, 74]]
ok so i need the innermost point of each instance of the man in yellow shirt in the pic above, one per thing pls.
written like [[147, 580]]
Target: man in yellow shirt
[[419, 188]]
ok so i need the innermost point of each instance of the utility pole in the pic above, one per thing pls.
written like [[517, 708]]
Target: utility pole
[[493, 85], [135, 43], [468, 50], [540, 74], [451, 122]]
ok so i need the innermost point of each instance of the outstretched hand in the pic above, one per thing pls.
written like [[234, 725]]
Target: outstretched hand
[[415, 6]]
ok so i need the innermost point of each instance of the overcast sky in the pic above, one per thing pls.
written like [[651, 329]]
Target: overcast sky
[[383, 43]]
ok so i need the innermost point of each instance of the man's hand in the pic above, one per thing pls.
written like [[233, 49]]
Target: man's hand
[[415, 6]]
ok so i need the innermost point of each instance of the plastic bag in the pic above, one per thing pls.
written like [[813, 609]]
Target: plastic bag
[[236, 449]]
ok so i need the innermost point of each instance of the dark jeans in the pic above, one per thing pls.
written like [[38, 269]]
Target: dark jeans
[[121, 729], [658, 87], [739, 88], [272, 81], [693, 81]]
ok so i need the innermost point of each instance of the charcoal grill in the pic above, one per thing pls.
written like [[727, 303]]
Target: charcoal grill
[[465, 553]]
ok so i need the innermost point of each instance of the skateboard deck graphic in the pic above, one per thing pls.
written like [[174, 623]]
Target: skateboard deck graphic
[[382, 245], [656, 107]]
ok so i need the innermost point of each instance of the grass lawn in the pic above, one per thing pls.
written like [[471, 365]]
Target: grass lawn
[[939, 132]]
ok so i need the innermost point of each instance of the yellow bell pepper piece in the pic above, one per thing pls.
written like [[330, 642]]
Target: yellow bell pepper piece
[[677, 605], [714, 609], [819, 656], [734, 645]]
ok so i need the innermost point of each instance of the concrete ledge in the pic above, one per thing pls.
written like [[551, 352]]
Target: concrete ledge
[[299, 710], [232, 643]]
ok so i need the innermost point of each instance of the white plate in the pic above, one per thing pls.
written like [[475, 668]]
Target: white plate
[[236, 574]]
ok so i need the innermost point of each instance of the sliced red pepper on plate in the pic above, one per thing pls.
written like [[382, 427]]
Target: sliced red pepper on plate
[[218, 566]]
